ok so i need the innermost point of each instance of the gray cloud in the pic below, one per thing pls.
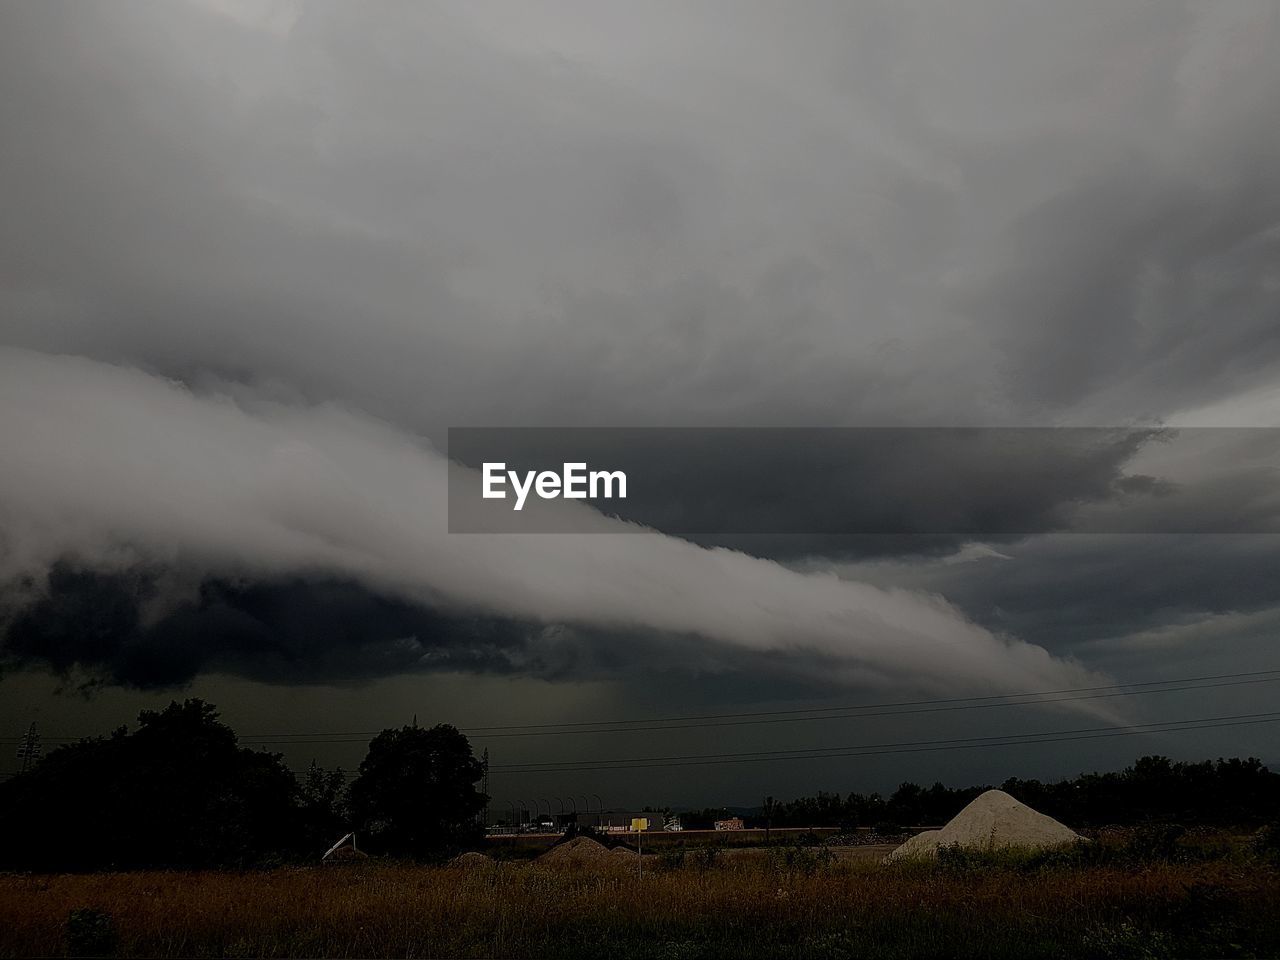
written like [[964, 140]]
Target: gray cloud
[[119, 468], [343, 232], [435, 215], [1106, 597]]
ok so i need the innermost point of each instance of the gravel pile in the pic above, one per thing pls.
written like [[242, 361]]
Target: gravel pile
[[993, 821], [577, 850], [471, 861], [860, 839]]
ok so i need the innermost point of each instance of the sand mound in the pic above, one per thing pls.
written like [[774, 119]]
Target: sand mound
[[922, 844], [993, 821], [622, 853], [471, 861], [577, 850]]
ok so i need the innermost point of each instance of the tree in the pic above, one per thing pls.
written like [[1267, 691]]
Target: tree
[[322, 807], [180, 792], [416, 792]]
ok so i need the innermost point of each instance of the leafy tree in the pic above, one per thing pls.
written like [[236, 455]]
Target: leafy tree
[[323, 813], [416, 792], [180, 791]]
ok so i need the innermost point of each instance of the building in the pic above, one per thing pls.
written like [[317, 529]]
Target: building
[[733, 823], [619, 821]]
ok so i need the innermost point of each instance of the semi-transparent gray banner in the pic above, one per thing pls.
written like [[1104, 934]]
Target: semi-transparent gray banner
[[952, 482]]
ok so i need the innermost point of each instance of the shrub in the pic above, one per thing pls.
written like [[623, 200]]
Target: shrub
[[805, 860], [1158, 842], [706, 857], [672, 859], [1266, 842], [90, 933]]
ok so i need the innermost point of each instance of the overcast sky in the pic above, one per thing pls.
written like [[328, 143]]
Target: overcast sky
[[256, 256]]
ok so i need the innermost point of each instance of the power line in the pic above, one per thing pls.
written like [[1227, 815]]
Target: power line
[[884, 749], [889, 749], [847, 713], [900, 703], [898, 708]]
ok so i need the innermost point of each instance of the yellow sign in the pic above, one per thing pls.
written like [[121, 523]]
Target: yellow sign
[[639, 823]]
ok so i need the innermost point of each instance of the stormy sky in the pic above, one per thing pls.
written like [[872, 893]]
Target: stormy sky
[[258, 256]]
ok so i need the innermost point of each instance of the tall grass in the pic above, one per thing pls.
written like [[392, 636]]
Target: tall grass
[[775, 906]]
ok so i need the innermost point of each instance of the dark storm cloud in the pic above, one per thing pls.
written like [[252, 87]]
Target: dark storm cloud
[[737, 213], [1097, 596], [100, 623], [149, 630]]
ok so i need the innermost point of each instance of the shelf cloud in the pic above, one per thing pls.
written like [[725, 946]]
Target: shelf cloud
[[119, 468]]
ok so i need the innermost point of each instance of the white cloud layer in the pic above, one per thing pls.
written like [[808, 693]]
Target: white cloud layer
[[111, 465]]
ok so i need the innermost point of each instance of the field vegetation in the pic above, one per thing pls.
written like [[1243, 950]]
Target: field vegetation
[[1149, 893]]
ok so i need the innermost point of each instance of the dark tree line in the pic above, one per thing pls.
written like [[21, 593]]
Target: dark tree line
[[1230, 792], [181, 791]]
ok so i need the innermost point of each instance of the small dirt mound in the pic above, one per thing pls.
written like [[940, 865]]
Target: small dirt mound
[[577, 850], [471, 861], [623, 853], [993, 821]]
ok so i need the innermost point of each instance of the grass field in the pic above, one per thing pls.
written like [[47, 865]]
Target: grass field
[[1213, 901]]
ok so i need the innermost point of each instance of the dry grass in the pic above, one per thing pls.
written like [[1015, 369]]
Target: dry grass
[[730, 908]]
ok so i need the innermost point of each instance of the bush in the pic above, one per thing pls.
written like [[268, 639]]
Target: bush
[[956, 859], [805, 860], [1159, 842], [90, 933], [1124, 940], [1266, 842], [706, 857], [672, 859]]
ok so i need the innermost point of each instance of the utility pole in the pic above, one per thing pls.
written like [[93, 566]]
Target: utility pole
[[29, 749], [484, 785]]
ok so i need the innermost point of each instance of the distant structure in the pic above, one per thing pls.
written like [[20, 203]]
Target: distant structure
[[732, 823], [484, 787], [672, 824], [29, 749], [618, 821], [344, 849]]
